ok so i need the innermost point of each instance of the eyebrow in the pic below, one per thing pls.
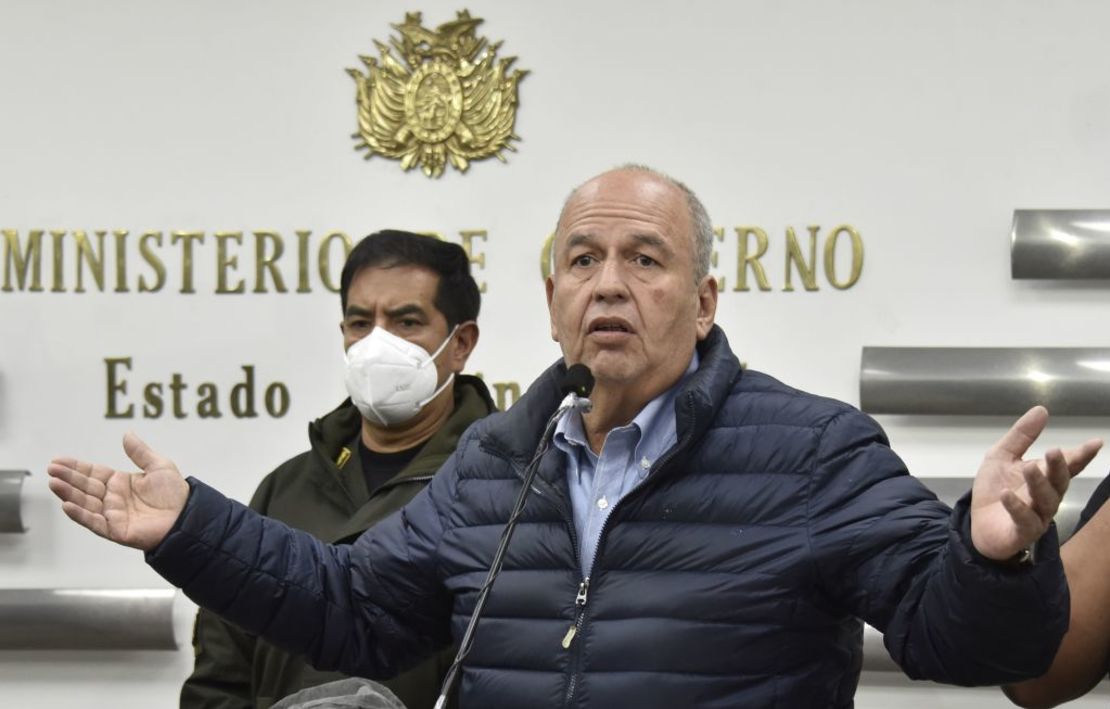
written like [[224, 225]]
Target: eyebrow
[[407, 309], [353, 311], [576, 239], [652, 240], [643, 239]]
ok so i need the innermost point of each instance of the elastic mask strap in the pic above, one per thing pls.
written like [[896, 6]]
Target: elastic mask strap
[[439, 350], [450, 378]]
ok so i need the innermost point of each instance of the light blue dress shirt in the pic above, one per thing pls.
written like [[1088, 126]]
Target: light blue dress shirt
[[598, 482]]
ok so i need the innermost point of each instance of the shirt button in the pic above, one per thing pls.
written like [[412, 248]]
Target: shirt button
[[645, 463], [602, 503]]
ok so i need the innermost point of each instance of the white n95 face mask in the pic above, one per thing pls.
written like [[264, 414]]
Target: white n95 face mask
[[391, 379]]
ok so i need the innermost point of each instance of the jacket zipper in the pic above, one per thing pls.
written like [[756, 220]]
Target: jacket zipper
[[572, 632], [583, 588], [579, 612]]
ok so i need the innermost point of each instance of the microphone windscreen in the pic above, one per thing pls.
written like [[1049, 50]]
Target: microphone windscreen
[[577, 380]]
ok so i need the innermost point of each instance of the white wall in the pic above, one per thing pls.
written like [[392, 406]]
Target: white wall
[[922, 125]]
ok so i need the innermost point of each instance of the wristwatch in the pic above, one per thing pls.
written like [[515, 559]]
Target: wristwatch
[[1022, 559]]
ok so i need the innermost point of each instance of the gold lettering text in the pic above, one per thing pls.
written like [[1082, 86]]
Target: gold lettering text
[[57, 239], [94, 260], [224, 263], [187, 238], [506, 394], [302, 261], [744, 261], [478, 260], [719, 232], [117, 385], [794, 257], [120, 236], [324, 258], [264, 263], [22, 261], [857, 257], [152, 258]]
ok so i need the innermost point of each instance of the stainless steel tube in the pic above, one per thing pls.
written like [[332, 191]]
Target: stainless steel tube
[[1060, 243], [1070, 381], [86, 619], [11, 484]]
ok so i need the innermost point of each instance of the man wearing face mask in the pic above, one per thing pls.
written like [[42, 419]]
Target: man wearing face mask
[[409, 324]]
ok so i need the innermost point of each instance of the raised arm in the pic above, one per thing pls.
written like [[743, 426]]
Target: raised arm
[[373, 608], [1014, 500], [951, 607]]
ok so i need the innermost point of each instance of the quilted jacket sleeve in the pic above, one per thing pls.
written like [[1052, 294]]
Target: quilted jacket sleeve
[[893, 555], [372, 609]]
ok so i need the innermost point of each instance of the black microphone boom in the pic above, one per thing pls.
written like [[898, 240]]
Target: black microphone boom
[[576, 385]]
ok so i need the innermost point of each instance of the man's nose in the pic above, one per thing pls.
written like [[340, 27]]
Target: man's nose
[[610, 283]]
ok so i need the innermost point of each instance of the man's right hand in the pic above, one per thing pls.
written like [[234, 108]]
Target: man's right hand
[[133, 509]]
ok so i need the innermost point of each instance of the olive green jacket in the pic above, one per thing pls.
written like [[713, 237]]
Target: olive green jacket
[[323, 491]]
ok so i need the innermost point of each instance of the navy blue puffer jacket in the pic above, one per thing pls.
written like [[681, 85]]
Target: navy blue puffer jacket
[[735, 576]]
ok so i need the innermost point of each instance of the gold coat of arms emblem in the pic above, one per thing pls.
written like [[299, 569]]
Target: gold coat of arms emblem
[[444, 96]]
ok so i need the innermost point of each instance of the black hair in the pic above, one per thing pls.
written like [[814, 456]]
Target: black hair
[[457, 295]]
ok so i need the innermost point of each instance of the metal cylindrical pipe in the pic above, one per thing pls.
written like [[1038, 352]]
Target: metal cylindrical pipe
[[11, 484], [1060, 243], [1069, 381], [86, 619]]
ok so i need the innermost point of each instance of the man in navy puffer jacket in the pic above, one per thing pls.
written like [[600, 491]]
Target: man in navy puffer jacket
[[705, 537]]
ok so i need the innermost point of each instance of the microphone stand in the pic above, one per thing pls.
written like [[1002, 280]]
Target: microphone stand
[[570, 401]]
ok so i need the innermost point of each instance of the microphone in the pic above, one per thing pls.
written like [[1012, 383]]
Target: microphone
[[576, 385]]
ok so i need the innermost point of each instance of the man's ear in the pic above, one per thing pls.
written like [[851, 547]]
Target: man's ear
[[707, 306], [462, 344], [549, 285]]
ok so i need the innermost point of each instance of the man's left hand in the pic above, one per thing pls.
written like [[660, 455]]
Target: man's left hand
[[1013, 500]]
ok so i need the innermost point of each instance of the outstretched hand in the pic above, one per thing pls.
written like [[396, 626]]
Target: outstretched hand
[[1013, 500], [133, 509]]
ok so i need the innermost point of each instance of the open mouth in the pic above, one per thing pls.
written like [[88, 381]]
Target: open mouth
[[610, 325]]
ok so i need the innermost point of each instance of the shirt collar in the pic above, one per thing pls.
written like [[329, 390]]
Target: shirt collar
[[655, 424]]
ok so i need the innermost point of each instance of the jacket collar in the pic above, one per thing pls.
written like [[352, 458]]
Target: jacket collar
[[334, 437], [696, 402]]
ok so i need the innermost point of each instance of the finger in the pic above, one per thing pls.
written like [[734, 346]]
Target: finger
[[1028, 525], [91, 470], [1016, 441], [67, 493], [140, 453], [94, 522], [1056, 470], [1044, 496], [71, 466], [1078, 458], [77, 480]]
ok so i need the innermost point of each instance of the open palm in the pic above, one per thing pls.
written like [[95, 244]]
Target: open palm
[[1014, 500], [133, 509]]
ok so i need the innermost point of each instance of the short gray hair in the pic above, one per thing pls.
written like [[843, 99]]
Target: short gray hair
[[699, 217]]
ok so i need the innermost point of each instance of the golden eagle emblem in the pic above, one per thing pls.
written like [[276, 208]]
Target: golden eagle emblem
[[445, 96]]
